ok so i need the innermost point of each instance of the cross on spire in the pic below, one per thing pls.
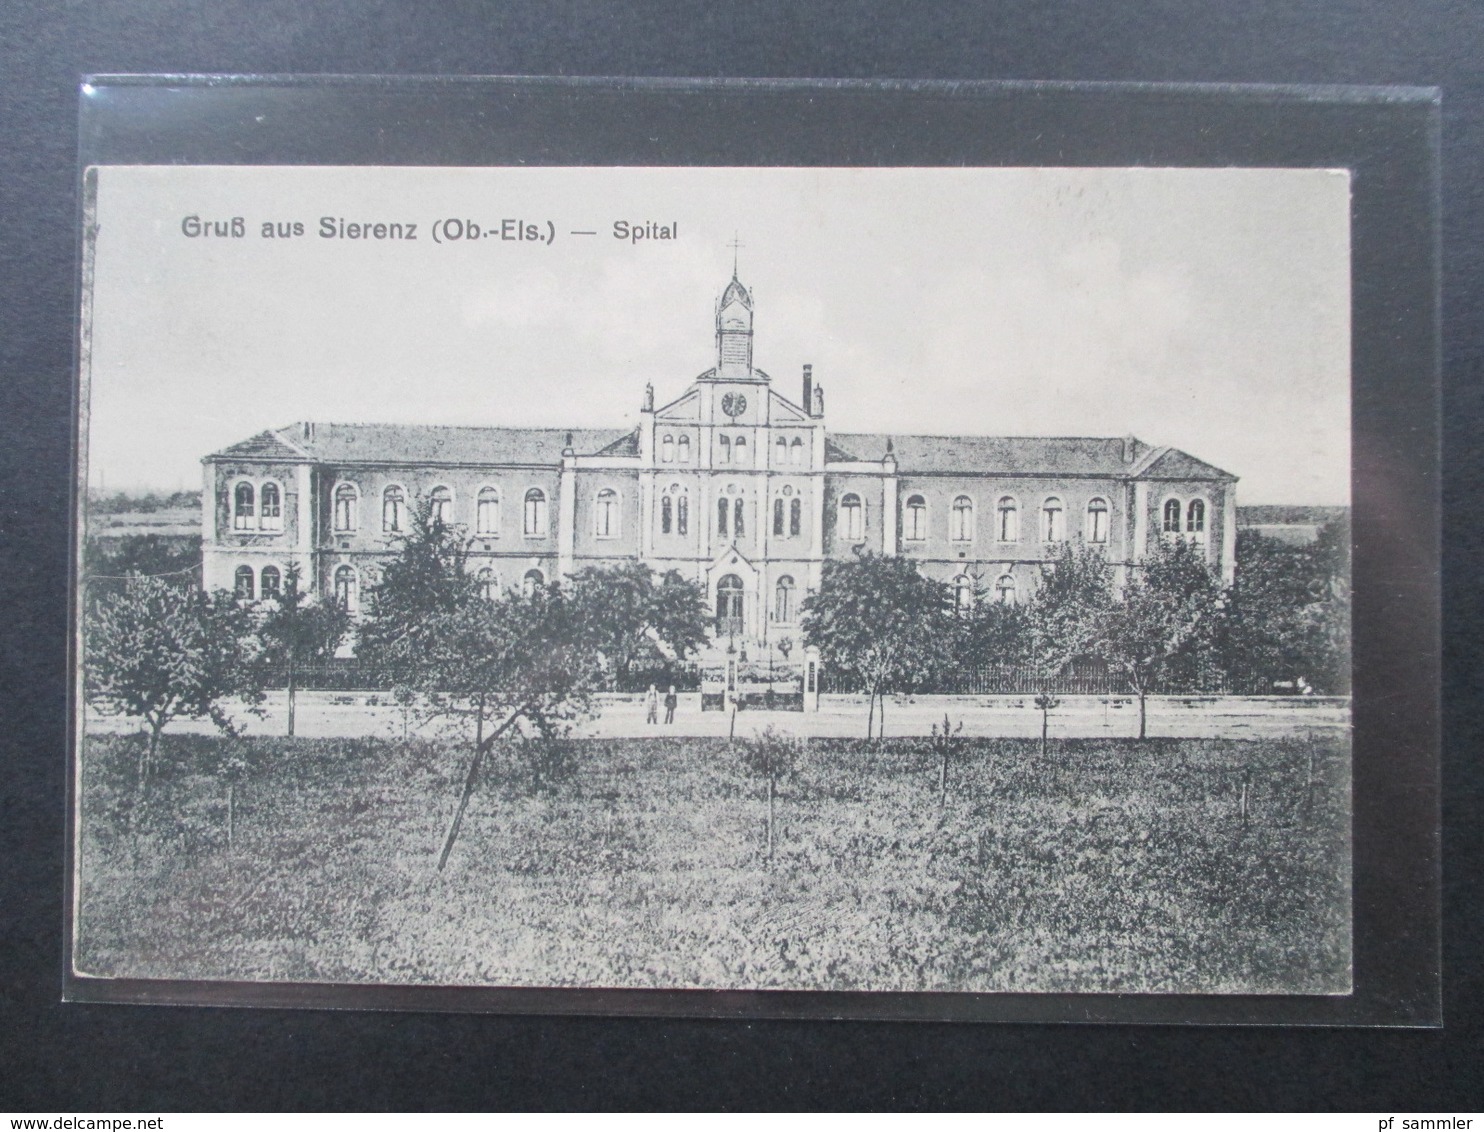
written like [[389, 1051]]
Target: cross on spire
[[734, 244]]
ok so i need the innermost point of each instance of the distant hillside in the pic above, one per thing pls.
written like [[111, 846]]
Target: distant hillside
[[120, 502], [1287, 514]]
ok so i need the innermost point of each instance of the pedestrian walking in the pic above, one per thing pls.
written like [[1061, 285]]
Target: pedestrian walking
[[671, 699], [652, 705]]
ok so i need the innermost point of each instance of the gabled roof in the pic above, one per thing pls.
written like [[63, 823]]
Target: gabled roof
[[1026, 455], [1174, 464], [264, 446], [430, 444]]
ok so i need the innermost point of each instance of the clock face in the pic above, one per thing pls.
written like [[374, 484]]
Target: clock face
[[734, 404]]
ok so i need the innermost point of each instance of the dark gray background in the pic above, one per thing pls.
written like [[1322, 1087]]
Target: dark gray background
[[75, 1057]]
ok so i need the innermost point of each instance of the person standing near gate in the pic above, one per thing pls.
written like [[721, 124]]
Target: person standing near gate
[[671, 699], [652, 705]]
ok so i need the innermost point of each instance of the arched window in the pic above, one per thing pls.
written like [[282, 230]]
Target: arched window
[[729, 605], [243, 583], [853, 517], [440, 506], [783, 600], [489, 584], [738, 527], [961, 522], [667, 449], [796, 451], [346, 590], [1195, 517], [535, 513], [487, 512], [778, 517], [1097, 520], [1004, 589], [963, 594], [724, 449], [915, 528], [393, 509], [605, 514], [780, 450], [242, 507], [723, 511], [739, 450], [532, 582], [270, 507], [272, 583], [1007, 520], [667, 514], [1053, 521], [795, 516], [346, 507], [1172, 517], [682, 514], [682, 449]]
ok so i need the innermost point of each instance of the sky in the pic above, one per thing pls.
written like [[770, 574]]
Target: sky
[[1205, 309]]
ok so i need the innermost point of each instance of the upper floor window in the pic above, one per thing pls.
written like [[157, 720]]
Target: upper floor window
[[1195, 517], [915, 527], [723, 515], [440, 506], [682, 449], [489, 584], [487, 512], [535, 513], [667, 514], [243, 583], [667, 449], [1172, 517], [682, 514], [272, 583], [796, 451], [393, 509], [270, 507], [778, 518], [724, 449], [795, 516], [1097, 520], [243, 498], [961, 522], [1053, 521], [739, 450], [346, 507], [1007, 520], [605, 514], [852, 517], [1004, 589], [738, 527], [347, 592], [780, 450]]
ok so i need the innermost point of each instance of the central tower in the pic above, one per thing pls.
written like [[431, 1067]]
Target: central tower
[[734, 332]]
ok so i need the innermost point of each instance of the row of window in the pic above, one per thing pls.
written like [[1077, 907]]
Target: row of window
[[731, 450], [963, 591], [534, 511], [267, 584], [1052, 526]]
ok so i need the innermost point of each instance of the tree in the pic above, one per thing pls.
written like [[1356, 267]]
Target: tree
[[297, 631], [877, 619], [1169, 607], [1067, 618], [633, 609], [453, 652], [1289, 613], [161, 651]]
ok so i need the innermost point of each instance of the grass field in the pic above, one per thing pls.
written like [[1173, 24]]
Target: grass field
[[1106, 865]]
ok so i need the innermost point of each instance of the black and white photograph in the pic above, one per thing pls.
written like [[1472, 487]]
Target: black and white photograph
[[810, 579]]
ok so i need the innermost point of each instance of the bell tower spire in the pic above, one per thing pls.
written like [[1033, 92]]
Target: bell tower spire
[[734, 328]]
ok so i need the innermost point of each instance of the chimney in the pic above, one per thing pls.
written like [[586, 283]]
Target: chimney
[[1128, 449], [808, 401]]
